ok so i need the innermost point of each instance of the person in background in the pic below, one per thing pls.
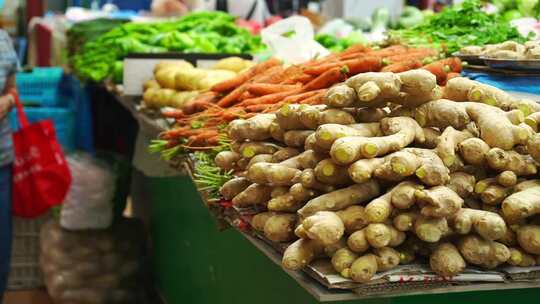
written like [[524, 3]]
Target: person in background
[[8, 67]]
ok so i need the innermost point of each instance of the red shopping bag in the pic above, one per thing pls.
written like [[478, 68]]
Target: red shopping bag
[[41, 176]]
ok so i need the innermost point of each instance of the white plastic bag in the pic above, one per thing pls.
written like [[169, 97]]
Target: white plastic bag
[[88, 204], [299, 47]]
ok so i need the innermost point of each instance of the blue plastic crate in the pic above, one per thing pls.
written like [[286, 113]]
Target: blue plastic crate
[[64, 123], [40, 87]]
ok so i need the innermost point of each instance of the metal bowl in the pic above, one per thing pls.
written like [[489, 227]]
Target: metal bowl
[[532, 65]]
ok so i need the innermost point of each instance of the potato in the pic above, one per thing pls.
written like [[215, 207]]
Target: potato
[[234, 64], [177, 64], [189, 79]]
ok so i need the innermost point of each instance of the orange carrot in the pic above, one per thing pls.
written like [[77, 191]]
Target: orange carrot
[[452, 75], [298, 97], [416, 54], [355, 48], [176, 113], [403, 66], [268, 99], [364, 64], [256, 107], [259, 89], [302, 78], [389, 51], [232, 97], [442, 67], [230, 84], [315, 99], [326, 79]]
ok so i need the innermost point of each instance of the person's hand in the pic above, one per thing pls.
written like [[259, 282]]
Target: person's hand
[[6, 103]]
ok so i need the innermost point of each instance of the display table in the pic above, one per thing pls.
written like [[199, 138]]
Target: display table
[[194, 262]]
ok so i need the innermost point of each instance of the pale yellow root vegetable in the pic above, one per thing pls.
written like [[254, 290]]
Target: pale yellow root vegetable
[[166, 77], [527, 106], [507, 179], [363, 169], [272, 174], [405, 221], [233, 187], [256, 128], [308, 180], [324, 226], [439, 201], [457, 89], [448, 142], [364, 268], [473, 151], [243, 163], [483, 184], [528, 237], [399, 131], [327, 134], [342, 261], [340, 96], [151, 84], [328, 172], [430, 229], [423, 163], [296, 138], [520, 258], [526, 184], [482, 252], [522, 204], [431, 136], [301, 193], [381, 235], [276, 132], [372, 88], [310, 158], [403, 195], [313, 117], [380, 209], [284, 154], [311, 144], [406, 255], [370, 114], [260, 158], [492, 96], [277, 227], [226, 160], [494, 194], [533, 147], [330, 250], [501, 160], [387, 258], [487, 224], [495, 127], [342, 198], [353, 218], [462, 183], [288, 117], [417, 87], [532, 120], [250, 149], [301, 253], [357, 241], [255, 194], [446, 260]]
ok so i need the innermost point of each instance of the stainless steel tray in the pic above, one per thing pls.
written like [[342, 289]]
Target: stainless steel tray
[[509, 64], [471, 59]]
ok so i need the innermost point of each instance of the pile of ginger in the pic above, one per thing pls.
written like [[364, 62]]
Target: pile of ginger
[[393, 169]]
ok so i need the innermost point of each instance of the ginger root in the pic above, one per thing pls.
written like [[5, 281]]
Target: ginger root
[[439, 201], [446, 260], [462, 183], [482, 252], [448, 143], [528, 237], [430, 229], [340, 96], [272, 174], [353, 217], [501, 160], [301, 253], [255, 194], [328, 172], [473, 151], [522, 204], [327, 134], [233, 187], [323, 226], [342, 198], [256, 128], [520, 258], [342, 261], [488, 225], [425, 164], [227, 160]]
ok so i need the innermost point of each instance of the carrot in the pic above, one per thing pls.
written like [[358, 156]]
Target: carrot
[[403, 66], [176, 113], [355, 48], [417, 54], [197, 105], [315, 99], [364, 64], [232, 97], [232, 83], [259, 89], [298, 97], [319, 69], [326, 79], [268, 99], [302, 78], [442, 67], [200, 139], [256, 107], [389, 51], [452, 75]]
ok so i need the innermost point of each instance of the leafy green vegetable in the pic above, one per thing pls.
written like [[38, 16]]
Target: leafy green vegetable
[[459, 26], [204, 32]]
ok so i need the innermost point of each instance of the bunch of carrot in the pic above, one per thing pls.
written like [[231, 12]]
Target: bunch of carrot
[[269, 85]]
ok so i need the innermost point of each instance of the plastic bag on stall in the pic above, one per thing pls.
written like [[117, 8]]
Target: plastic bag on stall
[[300, 46], [88, 204]]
